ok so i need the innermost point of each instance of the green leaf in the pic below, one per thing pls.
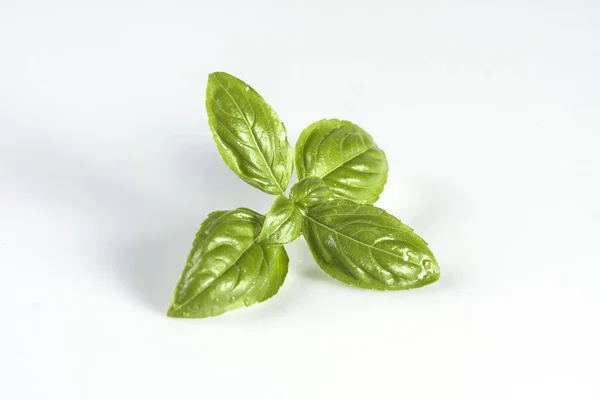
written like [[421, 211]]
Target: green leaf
[[227, 268], [310, 192], [283, 223], [345, 157], [364, 246], [249, 135]]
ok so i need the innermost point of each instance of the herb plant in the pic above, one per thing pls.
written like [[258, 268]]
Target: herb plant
[[238, 257]]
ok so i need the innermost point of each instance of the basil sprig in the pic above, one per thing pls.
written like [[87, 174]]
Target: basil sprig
[[238, 258]]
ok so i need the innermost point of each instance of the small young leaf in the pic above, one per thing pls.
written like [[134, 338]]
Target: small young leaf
[[345, 157], [283, 223], [249, 135], [364, 246], [310, 192], [227, 268]]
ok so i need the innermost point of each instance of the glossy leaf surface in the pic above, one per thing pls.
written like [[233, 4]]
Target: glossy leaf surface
[[310, 192], [227, 268], [283, 223], [345, 157], [249, 135], [364, 246]]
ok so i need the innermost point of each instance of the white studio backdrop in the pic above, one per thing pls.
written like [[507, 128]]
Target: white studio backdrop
[[488, 112]]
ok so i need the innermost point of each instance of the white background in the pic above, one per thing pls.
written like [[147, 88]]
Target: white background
[[488, 112]]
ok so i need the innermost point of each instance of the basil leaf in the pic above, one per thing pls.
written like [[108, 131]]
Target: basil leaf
[[364, 246], [227, 268], [309, 192], [345, 157], [283, 223], [249, 135]]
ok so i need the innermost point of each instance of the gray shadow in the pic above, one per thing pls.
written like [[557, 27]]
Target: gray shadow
[[139, 229], [314, 273]]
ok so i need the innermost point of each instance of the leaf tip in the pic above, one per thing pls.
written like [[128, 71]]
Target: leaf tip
[[175, 311], [219, 75], [430, 273]]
